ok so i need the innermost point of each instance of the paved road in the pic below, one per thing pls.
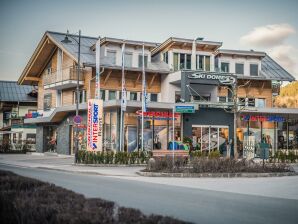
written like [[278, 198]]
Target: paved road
[[190, 204]]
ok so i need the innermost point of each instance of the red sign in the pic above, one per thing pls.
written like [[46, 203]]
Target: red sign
[[77, 119], [158, 114]]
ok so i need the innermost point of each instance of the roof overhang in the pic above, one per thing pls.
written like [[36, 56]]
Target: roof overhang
[[241, 53], [181, 43]]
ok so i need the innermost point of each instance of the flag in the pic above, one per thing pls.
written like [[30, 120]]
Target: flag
[[123, 89], [144, 92], [97, 58]]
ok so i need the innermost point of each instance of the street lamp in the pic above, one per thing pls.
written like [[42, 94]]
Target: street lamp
[[66, 40]]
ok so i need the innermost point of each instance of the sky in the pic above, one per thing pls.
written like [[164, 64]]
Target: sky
[[263, 25]]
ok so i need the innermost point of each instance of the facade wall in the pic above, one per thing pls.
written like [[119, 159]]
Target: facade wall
[[40, 138]]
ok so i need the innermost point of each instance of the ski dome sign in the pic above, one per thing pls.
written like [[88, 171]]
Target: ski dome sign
[[224, 79], [94, 128]]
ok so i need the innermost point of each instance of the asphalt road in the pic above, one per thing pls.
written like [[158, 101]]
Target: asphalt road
[[189, 204]]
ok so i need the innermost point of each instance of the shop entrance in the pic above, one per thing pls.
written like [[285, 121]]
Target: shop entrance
[[207, 138]]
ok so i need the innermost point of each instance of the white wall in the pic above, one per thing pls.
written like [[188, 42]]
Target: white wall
[[168, 90], [24, 109], [24, 131], [242, 60]]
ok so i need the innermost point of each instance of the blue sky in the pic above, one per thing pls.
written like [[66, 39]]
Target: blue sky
[[267, 25]]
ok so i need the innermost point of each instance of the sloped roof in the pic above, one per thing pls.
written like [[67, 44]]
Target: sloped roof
[[272, 70], [10, 91]]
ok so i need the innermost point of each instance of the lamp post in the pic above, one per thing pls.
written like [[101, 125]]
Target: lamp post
[[66, 40]]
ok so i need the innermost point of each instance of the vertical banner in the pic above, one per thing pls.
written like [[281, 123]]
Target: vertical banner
[[94, 127], [97, 58], [123, 88], [249, 147]]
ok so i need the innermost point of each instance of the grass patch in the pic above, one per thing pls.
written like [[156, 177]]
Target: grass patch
[[25, 200]]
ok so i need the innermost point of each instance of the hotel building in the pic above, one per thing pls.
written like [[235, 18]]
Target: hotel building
[[177, 71]]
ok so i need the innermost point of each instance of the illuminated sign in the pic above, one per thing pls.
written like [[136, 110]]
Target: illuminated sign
[[158, 115], [224, 79], [271, 118], [94, 126], [33, 115]]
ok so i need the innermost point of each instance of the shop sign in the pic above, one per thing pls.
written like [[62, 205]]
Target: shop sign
[[272, 118], [33, 115], [249, 147], [94, 126], [158, 115], [185, 109], [224, 79]]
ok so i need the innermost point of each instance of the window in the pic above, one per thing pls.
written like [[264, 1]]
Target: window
[[222, 99], [31, 138], [82, 96], [166, 57], [188, 61], [201, 98], [141, 60], [261, 103], [225, 67], [49, 68], [239, 68], [112, 95], [102, 94], [111, 56], [203, 62], [133, 96], [176, 67], [251, 102], [47, 101], [128, 60], [182, 61], [216, 63], [254, 70], [153, 97], [241, 101]]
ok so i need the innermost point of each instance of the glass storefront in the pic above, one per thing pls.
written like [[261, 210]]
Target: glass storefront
[[207, 138]]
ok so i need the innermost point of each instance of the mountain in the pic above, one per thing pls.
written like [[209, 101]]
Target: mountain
[[288, 97]]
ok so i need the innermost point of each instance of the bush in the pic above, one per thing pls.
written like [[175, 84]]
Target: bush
[[25, 200], [167, 164]]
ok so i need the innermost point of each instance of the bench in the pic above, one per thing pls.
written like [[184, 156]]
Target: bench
[[163, 153]]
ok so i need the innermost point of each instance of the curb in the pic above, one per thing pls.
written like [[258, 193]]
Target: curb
[[216, 175], [110, 165]]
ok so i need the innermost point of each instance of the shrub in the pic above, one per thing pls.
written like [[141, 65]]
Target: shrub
[[167, 164], [214, 154], [133, 157]]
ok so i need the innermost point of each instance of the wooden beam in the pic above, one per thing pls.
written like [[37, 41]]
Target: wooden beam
[[107, 77], [33, 79], [205, 47], [138, 78], [152, 80]]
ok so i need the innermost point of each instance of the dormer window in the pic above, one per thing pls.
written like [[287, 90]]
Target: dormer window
[[111, 56], [182, 61], [141, 60], [203, 62], [254, 70], [225, 67], [128, 59]]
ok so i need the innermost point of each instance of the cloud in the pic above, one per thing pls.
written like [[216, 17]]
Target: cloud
[[286, 56], [268, 36]]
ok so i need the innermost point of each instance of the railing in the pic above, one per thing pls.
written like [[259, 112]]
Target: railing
[[66, 74]]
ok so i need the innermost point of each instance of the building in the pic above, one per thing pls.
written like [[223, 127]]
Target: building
[[177, 70], [16, 103]]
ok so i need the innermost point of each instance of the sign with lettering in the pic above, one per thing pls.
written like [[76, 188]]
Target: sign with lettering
[[249, 147], [271, 118], [224, 79], [158, 115], [185, 108], [33, 115], [94, 125]]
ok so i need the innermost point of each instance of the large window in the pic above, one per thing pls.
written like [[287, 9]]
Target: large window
[[141, 60], [182, 61], [166, 57], [128, 59], [225, 67], [203, 62], [251, 102], [239, 68], [112, 95], [111, 55], [133, 96], [261, 103], [176, 66], [254, 70]]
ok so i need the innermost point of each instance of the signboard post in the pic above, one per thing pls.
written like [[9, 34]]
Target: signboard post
[[94, 127]]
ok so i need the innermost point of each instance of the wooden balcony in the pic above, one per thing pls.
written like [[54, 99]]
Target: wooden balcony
[[63, 79]]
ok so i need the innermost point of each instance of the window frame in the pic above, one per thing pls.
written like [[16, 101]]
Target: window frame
[[250, 69], [239, 63]]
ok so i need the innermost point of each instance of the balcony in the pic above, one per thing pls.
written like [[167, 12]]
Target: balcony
[[63, 79]]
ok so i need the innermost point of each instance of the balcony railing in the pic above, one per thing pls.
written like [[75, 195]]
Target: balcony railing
[[61, 79]]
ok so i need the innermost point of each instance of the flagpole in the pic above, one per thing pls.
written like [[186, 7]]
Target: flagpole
[[143, 97], [122, 100]]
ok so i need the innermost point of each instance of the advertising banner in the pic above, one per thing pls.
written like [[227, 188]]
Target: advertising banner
[[249, 147], [94, 125]]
